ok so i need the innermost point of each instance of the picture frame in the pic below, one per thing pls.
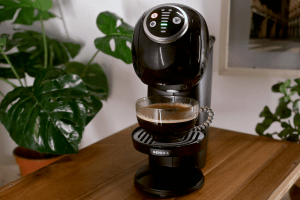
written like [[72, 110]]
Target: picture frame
[[236, 59]]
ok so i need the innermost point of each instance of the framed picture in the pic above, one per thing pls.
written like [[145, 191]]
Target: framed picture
[[259, 38]]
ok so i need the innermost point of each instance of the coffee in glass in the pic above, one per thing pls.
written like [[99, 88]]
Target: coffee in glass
[[167, 118]]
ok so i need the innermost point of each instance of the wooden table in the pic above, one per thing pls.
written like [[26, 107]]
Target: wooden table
[[239, 166]]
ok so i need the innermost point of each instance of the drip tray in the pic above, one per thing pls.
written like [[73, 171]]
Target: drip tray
[[140, 135], [188, 145]]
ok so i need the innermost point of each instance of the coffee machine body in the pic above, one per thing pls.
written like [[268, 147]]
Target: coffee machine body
[[171, 50]]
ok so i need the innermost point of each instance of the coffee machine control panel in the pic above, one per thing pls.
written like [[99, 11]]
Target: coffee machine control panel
[[165, 23]]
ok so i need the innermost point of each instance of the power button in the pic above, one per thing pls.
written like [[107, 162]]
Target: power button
[[176, 20], [153, 23]]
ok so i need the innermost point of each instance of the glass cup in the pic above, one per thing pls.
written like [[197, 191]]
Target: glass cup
[[167, 118]]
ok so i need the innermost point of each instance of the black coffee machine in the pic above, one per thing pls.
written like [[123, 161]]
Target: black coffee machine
[[171, 49]]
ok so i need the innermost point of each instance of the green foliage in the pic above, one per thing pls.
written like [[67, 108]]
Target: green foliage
[[2, 42], [92, 75], [58, 52], [32, 61], [8, 43], [50, 116], [107, 23], [95, 82], [27, 14], [283, 112]]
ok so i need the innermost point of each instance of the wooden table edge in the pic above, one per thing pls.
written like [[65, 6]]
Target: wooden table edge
[[284, 187]]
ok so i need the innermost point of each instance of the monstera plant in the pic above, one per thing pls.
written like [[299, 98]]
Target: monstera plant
[[50, 115]]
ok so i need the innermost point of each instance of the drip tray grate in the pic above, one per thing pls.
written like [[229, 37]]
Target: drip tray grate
[[141, 136]]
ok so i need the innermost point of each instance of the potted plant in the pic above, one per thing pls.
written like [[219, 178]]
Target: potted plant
[[49, 116], [287, 115]]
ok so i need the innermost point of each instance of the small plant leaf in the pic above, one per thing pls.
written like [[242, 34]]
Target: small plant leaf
[[107, 23], [285, 132], [285, 125], [293, 138], [269, 135], [296, 88], [283, 111], [27, 14], [266, 113], [297, 120], [285, 99], [296, 106], [2, 42], [283, 87], [297, 80], [261, 127], [275, 88]]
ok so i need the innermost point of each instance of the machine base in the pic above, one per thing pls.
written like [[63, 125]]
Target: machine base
[[168, 181]]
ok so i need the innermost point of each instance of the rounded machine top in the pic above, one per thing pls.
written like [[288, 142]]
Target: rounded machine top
[[170, 47], [165, 23]]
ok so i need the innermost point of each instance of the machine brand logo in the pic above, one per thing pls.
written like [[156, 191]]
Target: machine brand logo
[[160, 152]]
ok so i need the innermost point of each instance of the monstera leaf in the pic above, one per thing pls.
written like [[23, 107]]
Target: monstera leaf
[[9, 43], [27, 14], [22, 63], [95, 82], [59, 52], [50, 116], [93, 77], [30, 58], [2, 42], [107, 23]]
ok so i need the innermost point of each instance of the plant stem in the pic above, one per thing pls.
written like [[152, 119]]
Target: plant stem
[[25, 81], [121, 34], [63, 20], [45, 43], [2, 94], [7, 81], [51, 56], [11, 66], [93, 57]]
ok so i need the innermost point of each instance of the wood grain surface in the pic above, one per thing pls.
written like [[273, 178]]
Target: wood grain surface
[[239, 166]]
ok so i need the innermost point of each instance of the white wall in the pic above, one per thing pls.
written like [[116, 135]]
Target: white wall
[[237, 101]]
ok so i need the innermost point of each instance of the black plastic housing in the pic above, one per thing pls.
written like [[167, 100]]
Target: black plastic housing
[[173, 67], [179, 64]]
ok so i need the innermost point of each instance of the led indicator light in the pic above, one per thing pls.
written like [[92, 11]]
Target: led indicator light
[[154, 15], [163, 24]]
